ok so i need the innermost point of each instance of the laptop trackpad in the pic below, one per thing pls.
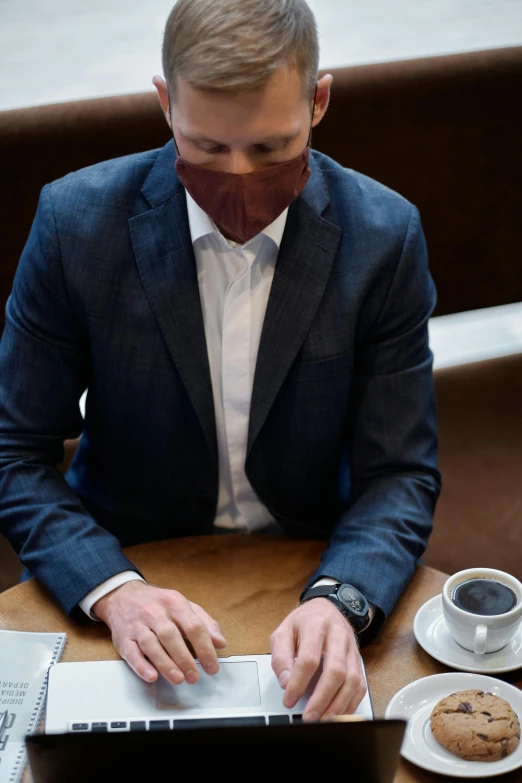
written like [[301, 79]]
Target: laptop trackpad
[[235, 685]]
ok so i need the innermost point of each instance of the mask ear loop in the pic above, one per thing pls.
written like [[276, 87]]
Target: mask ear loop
[[312, 122], [177, 150]]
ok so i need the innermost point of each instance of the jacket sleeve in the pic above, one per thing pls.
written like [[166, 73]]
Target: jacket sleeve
[[392, 447], [44, 369]]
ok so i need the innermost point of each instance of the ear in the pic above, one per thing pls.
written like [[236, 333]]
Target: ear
[[163, 95], [322, 98]]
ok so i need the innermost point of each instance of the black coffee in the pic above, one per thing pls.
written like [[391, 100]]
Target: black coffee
[[484, 596]]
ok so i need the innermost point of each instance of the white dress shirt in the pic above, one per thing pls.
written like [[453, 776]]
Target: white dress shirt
[[234, 285]]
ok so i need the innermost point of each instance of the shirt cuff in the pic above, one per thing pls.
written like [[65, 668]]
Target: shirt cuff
[[105, 588], [327, 580]]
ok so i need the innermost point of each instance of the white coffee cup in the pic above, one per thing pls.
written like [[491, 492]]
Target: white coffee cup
[[477, 632]]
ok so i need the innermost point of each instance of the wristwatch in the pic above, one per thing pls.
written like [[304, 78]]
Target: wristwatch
[[351, 602]]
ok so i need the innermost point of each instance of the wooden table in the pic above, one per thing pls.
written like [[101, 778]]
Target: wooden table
[[249, 584]]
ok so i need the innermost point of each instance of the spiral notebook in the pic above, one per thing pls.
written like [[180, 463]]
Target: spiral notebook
[[25, 659]]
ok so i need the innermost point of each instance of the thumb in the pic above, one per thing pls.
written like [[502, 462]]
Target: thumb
[[218, 640]]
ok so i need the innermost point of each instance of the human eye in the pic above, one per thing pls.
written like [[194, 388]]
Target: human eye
[[210, 150], [265, 149]]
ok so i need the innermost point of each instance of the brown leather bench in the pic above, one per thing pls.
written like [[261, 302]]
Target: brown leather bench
[[444, 132]]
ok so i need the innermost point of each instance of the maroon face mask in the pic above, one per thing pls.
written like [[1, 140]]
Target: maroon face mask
[[242, 205]]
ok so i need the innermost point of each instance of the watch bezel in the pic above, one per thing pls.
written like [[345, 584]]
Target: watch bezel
[[351, 611], [359, 621]]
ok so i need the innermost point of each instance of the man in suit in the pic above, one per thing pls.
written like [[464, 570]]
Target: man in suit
[[250, 320]]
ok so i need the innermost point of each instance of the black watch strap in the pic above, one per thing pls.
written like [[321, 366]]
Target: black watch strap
[[317, 592], [358, 620]]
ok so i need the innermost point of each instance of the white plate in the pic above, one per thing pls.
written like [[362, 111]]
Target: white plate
[[415, 704], [433, 636]]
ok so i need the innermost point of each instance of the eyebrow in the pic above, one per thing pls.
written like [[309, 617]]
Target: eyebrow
[[269, 140]]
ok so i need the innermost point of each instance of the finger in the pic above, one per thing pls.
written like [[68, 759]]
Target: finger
[[311, 642], [196, 631], [359, 687], [339, 705], [355, 679], [282, 647], [358, 695], [174, 645], [216, 635], [131, 653], [151, 647], [348, 697], [332, 678]]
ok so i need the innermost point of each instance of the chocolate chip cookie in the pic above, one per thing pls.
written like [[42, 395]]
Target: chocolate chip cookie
[[476, 726]]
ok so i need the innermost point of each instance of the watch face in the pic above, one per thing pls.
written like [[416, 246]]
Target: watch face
[[352, 599]]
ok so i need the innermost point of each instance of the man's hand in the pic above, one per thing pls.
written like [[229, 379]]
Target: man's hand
[[148, 626], [313, 631]]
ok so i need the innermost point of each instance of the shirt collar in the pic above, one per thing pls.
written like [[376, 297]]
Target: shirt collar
[[201, 225]]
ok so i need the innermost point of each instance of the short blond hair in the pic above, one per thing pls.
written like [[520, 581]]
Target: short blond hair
[[236, 45]]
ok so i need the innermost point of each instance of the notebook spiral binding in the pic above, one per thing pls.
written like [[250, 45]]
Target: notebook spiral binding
[[37, 712]]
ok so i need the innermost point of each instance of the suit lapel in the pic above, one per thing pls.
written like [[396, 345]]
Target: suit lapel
[[302, 271], [165, 258]]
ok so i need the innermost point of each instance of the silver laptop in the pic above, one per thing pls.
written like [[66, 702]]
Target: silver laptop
[[107, 696]]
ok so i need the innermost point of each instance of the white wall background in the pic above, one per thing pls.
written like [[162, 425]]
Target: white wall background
[[59, 50]]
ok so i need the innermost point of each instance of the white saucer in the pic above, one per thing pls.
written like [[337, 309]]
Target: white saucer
[[433, 636], [415, 704]]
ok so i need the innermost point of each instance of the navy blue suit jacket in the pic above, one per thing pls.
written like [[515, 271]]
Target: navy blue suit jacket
[[342, 438]]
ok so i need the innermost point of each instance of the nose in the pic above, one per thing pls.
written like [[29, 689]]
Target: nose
[[238, 163]]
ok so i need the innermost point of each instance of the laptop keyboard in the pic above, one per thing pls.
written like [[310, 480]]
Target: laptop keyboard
[[167, 724]]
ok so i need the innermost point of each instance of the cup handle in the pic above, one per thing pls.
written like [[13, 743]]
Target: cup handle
[[481, 635]]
